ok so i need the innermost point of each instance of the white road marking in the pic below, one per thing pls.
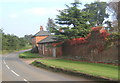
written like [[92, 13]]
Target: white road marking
[[12, 70], [14, 73], [24, 79], [4, 62], [7, 66]]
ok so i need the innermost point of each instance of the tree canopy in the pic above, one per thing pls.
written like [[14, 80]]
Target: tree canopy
[[72, 16], [114, 8], [50, 25], [12, 42], [75, 20], [97, 13], [78, 20]]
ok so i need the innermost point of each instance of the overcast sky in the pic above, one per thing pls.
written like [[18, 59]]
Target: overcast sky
[[21, 17]]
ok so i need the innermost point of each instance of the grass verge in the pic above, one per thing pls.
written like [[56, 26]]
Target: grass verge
[[28, 54], [94, 69]]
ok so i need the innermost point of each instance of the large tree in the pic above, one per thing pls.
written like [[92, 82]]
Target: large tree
[[114, 8], [28, 38], [97, 12], [75, 19], [72, 16], [50, 25]]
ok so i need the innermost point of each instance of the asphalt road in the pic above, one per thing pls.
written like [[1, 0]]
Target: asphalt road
[[13, 69]]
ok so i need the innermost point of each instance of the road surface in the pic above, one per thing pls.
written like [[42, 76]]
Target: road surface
[[13, 69]]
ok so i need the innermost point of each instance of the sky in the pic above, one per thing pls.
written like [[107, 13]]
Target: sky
[[24, 17]]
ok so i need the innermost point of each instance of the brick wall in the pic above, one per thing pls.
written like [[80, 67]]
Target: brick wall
[[48, 51], [44, 50], [35, 40], [89, 51], [83, 52]]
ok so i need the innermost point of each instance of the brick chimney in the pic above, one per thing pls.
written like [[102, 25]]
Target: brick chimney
[[41, 28], [60, 30]]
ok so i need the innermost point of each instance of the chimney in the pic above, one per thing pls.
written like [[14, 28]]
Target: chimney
[[41, 28], [60, 30]]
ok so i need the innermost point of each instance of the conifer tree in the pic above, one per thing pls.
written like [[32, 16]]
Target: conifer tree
[[75, 19], [97, 13], [72, 16], [50, 25]]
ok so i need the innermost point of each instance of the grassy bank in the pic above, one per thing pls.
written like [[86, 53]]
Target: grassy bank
[[28, 54], [9, 51], [94, 69]]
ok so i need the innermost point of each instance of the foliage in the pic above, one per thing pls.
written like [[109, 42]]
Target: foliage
[[96, 32], [50, 25], [28, 54], [12, 42], [76, 21], [115, 36], [97, 13], [1, 40], [9, 51], [103, 33], [79, 20], [112, 40], [57, 44], [70, 33], [73, 16], [77, 41], [28, 38], [113, 8], [109, 24], [94, 69]]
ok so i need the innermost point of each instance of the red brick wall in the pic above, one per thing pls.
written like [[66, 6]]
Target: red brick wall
[[48, 51], [35, 40], [87, 52], [83, 52]]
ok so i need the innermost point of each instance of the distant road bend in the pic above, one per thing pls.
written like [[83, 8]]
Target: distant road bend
[[13, 69]]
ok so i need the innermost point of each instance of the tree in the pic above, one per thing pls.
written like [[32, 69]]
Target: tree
[[28, 38], [21, 44], [50, 25], [73, 16], [114, 8], [76, 21], [5, 42], [97, 12], [12, 42]]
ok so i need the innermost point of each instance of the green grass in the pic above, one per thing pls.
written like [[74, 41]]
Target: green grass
[[95, 69], [28, 54]]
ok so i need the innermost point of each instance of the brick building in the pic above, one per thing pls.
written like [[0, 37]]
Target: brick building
[[91, 48], [39, 36], [46, 48]]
